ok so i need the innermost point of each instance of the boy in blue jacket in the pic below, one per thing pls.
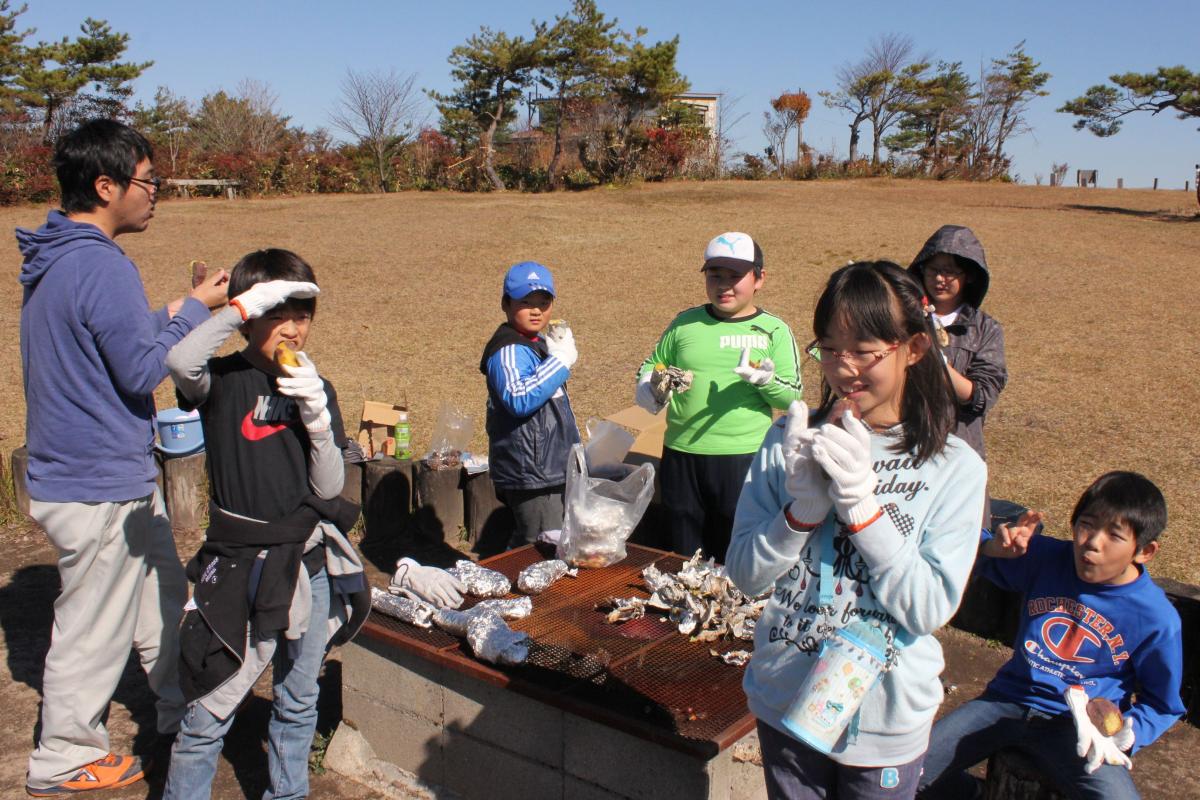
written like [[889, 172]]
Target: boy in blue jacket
[[530, 425], [1092, 625], [92, 353]]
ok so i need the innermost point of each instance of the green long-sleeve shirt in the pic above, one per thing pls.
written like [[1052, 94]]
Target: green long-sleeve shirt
[[722, 414]]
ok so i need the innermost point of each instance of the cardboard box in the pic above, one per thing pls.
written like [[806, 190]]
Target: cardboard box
[[650, 430], [378, 421]]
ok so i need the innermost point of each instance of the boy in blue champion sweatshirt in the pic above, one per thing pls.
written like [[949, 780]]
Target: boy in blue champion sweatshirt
[[92, 353], [1093, 624], [530, 425]]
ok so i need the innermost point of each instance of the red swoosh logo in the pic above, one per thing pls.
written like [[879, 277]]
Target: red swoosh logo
[[256, 432]]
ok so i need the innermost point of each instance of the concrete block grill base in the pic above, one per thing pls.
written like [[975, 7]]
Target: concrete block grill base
[[598, 712]]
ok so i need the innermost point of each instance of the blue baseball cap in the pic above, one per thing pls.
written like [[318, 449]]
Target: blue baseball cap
[[527, 277]]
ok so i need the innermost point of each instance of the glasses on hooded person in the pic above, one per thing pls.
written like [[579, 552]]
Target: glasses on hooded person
[[153, 183], [946, 270], [859, 359]]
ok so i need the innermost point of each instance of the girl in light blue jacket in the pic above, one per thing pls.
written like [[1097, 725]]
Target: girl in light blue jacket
[[863, 515]]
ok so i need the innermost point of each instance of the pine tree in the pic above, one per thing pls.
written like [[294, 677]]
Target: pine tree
[[1102, 109]]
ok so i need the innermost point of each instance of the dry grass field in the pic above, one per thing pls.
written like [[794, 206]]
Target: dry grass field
[[1092, 287]]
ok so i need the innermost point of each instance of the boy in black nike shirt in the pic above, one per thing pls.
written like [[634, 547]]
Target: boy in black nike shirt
[[274, 553]]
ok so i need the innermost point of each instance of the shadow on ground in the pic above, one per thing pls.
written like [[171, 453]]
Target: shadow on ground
[[1156, 215]]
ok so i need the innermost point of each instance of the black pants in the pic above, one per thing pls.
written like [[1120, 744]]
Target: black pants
[[534, 510], [700, 494]]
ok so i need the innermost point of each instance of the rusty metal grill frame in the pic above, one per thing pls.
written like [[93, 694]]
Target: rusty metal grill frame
[[656, 685]]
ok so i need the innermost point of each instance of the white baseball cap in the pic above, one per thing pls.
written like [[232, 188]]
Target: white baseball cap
[[733, 250]]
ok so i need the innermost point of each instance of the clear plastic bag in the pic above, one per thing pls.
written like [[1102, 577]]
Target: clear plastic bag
[[599, 514], [451, 436]]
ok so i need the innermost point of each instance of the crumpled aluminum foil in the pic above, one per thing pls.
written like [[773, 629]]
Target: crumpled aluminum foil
[[480, 581], [492, 640], [405, 609], [456, 622], [537, 577], [737, 658]]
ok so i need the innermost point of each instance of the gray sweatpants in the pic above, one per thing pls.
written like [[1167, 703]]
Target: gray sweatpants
[[122, 587]]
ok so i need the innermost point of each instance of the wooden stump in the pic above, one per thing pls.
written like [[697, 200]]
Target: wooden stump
[[20, 460], [489, 522], [352, 489], [185, 492], [438, 502], [386, 497], [1012, 776]]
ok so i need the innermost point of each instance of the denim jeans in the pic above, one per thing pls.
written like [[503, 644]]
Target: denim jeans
[[797, 772], [290, 732], [977, 729]]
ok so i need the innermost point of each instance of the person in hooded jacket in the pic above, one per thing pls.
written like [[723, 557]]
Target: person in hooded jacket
[[954, 271], [92, 353]]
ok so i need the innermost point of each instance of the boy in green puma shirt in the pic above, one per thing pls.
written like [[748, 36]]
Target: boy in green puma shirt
[[744, 362]]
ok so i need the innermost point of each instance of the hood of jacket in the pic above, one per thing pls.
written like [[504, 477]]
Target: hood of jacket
[[961, 243], [59, 236]]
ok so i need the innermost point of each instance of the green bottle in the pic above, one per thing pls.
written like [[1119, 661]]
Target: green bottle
[[402, 436]]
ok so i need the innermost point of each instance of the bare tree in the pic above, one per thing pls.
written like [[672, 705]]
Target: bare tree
[[265, 126], [727, 120], [893, 76], [854, 87], [379, 109], [775, 131]]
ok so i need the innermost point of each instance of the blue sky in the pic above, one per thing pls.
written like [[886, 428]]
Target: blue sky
[[751, 50]]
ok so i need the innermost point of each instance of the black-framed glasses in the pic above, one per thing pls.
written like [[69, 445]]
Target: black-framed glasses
[[153, 183], [859, 359]]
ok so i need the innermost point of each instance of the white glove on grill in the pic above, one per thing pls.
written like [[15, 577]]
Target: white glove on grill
[[805, 483], [262, 297], [305, 386], [561, 344], [1092, 744], [430, 584], [755, 376], [845, 455]]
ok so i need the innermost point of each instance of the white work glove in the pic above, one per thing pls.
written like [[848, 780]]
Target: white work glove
[[647, 397], [805, 483], [305, 386], [430, 584], [262, 297], [1091, 743], [845, 455], [755, 376], [561, 344]]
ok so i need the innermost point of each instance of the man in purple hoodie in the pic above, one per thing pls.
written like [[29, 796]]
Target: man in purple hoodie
[[92, 354]]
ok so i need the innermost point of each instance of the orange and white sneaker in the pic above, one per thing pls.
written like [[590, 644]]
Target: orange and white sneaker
[[110, 772]]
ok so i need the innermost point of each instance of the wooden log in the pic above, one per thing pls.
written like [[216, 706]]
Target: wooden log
[[19, 462], [488, 521], [438, 502], [352, 489], [185, 490], [386, 499], [1012, 776]]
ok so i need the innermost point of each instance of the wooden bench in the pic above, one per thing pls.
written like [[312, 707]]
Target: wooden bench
[[185, 185]]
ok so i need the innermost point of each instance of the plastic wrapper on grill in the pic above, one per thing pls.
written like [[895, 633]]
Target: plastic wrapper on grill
[[405, 609], [492, 640], [481, 581], [537, 577], [456, 622]]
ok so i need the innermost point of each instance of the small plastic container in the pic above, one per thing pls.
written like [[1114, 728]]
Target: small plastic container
[[179, 432], [848, 665]]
